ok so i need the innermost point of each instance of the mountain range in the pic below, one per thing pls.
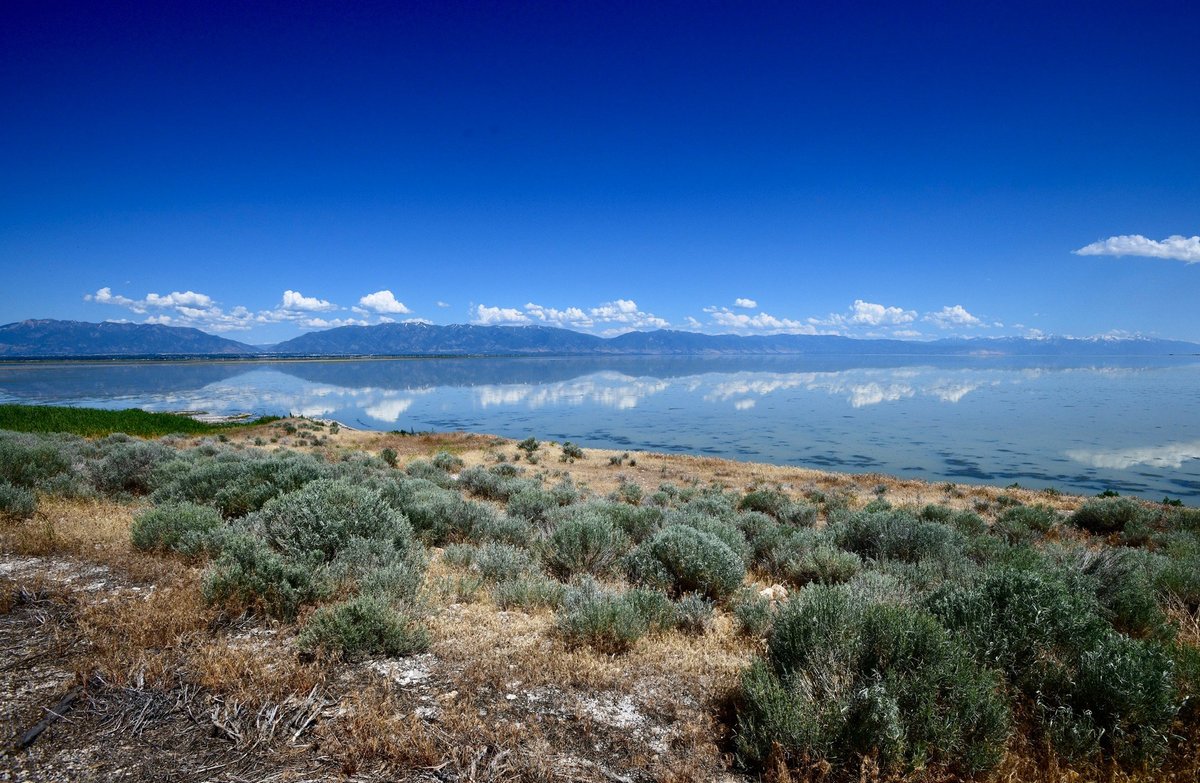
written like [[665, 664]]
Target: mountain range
[[76, 339]]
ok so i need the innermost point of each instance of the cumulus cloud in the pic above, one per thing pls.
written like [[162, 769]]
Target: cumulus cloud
[[331, 323], [188, 308], [294, 300], [201, 311], [179, 299], [571, 316], [757, 322], [493, 316], [383, 302], [744, 303], [106, 296], [949, 317], [1174, 248], [863, 313], [619, 315]]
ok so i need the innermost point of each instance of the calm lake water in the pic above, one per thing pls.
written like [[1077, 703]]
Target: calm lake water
[[1081, 426]]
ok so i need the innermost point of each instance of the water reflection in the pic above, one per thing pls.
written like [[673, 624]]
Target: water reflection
[[1040, 422], [1170, 455]]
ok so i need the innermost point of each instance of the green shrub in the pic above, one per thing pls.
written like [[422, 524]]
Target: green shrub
[[752, 612], [778, 550], [439, 516], [389, 456], [682, 560], [17, 502], [1180, 575], [125, 466], [501, 562], [726, 529], [779, 506], [249, 575], [448, 462], [460, 588], [235, 483], [654, 606], [1120, 699], [571, 452], [460, 555], [1092, 688], [584, 543], [637, 522], [33, 461], [374, 565], [364, 625], [824, 564], [434, 474], [179, 527], [1108, 515], [627, 492], [529, 446], [844, 679], [530, 592], [321, 518], [601, 618], [693, 614], [497, 483], [1022, 524], [896, 535], [532, 504], [505, 530], [1123, 581]]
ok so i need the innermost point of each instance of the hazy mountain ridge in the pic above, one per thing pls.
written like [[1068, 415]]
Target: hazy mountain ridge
[[50, 338], [47, 337]]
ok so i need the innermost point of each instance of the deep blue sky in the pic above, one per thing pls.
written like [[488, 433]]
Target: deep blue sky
[[934, 164]]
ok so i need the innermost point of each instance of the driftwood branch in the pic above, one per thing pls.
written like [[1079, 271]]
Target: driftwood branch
[[53, 715]]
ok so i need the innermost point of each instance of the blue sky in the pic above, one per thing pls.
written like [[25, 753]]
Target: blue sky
[[910, 170]]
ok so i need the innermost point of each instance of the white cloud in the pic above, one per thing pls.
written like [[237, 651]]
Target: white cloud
[[571, 316], [623, 313], [106, 296], [1175, 248], [331, 323], [179, 299], [760, 322], [747, 304], [383, 302], [863, 313], [440, 303], [949, 317], [294, 300], [626, 311], [492, 316], [873, 314]]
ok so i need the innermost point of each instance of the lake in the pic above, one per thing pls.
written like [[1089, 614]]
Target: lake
[[1131, 425]]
